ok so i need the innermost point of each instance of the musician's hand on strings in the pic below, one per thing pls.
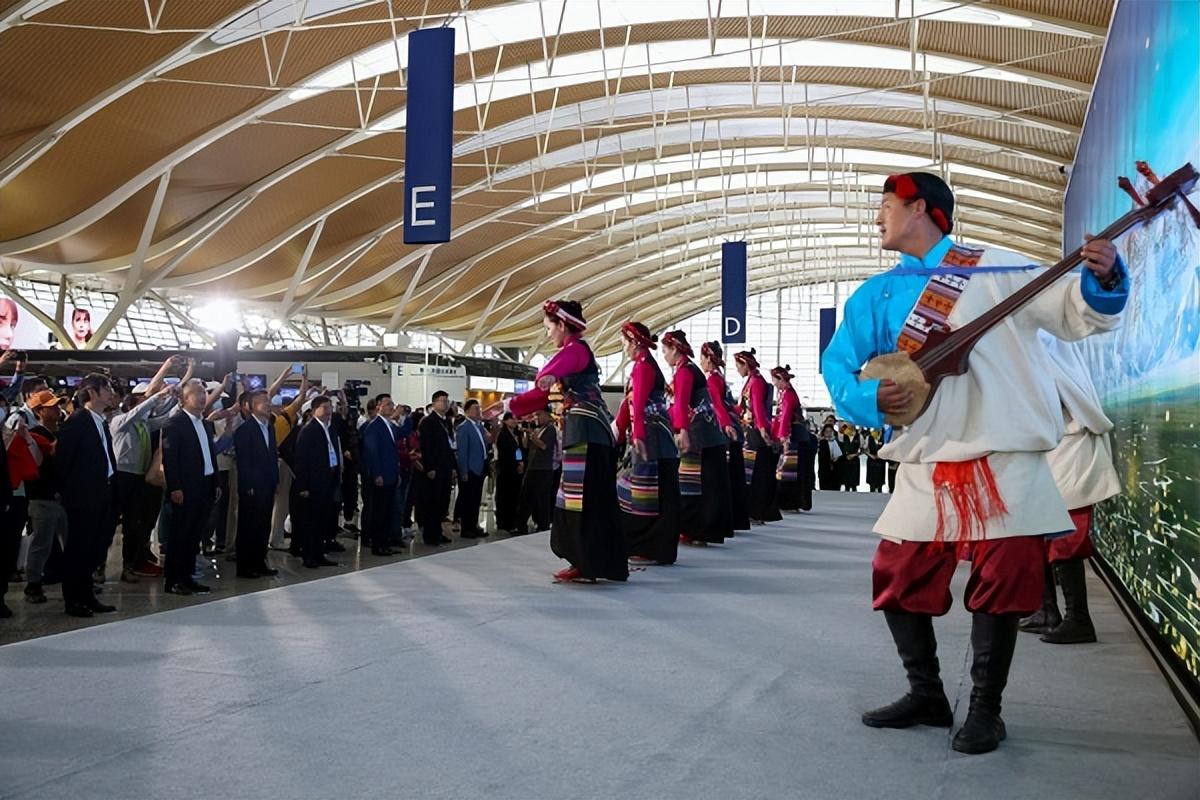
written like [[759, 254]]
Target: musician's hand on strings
[[1100, 256], [892, 398]]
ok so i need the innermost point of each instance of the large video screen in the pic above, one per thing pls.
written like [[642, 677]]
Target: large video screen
[[1145, 107]]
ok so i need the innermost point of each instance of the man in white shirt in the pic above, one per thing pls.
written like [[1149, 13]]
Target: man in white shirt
[[189, 465], [472, 455], [318, 475], [85, 464]]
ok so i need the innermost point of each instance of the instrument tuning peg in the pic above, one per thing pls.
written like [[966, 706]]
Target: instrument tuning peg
[[1127, 187], [1144, 170]]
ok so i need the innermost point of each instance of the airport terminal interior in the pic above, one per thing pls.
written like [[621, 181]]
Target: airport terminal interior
[[600, 399]]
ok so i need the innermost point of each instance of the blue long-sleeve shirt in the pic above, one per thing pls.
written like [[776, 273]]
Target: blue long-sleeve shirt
[[875, 315]]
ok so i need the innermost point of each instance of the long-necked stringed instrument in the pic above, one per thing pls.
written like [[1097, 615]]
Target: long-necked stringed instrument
[[945, 353]]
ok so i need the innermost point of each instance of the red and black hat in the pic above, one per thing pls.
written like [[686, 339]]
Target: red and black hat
[[569, 311], [748, 358], [939, 200], [639, 334], [713, 352], [677, 340], [784, 372]]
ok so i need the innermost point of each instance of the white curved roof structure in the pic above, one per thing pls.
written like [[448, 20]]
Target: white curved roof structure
[[603, 149]]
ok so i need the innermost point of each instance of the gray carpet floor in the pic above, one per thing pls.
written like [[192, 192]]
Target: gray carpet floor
[[738, 673]]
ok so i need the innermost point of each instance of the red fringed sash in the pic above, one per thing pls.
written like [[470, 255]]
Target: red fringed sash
[[970, 487]]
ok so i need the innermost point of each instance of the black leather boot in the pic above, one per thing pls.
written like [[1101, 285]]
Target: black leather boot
[[993, 640], [1076, 626], [925, 703], [1048, 616]]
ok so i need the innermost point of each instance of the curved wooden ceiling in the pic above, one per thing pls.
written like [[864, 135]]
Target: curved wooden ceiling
[[198, 148]]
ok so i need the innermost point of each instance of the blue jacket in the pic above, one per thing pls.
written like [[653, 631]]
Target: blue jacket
[[379, 451], [875, 315], [472, 448], [257, 460]]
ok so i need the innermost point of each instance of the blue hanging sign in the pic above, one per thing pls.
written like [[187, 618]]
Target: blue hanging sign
[[733, 292], [828, 324], [429, 136]]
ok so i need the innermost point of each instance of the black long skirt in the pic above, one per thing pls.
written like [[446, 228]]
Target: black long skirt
[[591, 539], [794, 496], [761, 500], [876, 469], [508, 495], [737, 487], [707, 517], [657, 537]]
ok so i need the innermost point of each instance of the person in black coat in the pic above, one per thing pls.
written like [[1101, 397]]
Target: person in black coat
[[85, 464], [828, 461], [381, 473], [257, 479], [439, 460], [189, 459], [318, 475], [850, 470], [12, 548]]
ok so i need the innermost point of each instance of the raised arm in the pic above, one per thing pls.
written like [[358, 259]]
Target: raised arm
[[159, 378], [293, 408], [280, 381]]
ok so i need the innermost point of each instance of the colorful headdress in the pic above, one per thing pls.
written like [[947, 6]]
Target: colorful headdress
[[747, 357], [713, 352], [678, 340], [569, 311], [784, 372], [939, 200], [639, 334]]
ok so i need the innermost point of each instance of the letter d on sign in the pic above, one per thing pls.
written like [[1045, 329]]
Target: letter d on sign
[[428, 136], [733, 292]]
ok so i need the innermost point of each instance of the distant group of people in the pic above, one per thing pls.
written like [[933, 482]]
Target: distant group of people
[[841, 452]]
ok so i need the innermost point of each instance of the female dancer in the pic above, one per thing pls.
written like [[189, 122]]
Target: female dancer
[[712, 361], [759, 453], [703, 474], [791, 431], [648, 488], [586, 530]]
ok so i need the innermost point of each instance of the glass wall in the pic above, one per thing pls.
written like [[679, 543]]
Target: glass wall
[[782, 325]]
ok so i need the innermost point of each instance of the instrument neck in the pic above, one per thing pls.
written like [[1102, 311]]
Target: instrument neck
[[974, 330]]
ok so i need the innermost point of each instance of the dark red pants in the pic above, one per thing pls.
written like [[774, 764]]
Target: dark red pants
[[914, 577], [1073, 546]]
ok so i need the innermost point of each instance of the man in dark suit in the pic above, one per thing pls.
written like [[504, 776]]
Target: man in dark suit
[[190, 465], [439, 461], [382, 471], [257, 479], [318, 475], [85, 464], [472, 453]]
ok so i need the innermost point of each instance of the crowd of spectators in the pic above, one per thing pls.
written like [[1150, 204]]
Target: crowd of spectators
[[186, 470]]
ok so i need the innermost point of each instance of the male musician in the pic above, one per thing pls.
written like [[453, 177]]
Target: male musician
[[1083, 470], [973, 478]]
